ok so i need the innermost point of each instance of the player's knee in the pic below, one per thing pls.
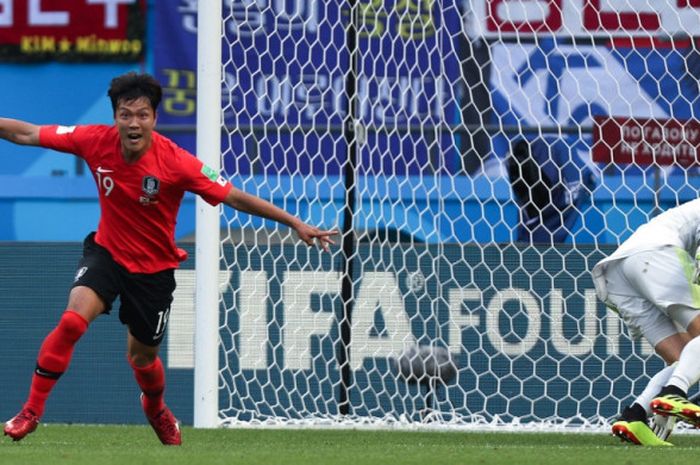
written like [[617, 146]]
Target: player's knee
[[72, 325], [141, 359]]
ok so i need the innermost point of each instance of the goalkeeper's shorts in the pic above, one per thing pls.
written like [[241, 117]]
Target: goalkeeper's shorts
[[653, 291]]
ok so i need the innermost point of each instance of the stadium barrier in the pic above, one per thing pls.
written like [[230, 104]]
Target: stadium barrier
[[528, 338]]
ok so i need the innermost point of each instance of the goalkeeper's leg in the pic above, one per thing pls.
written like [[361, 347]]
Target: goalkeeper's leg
[[661, 332], [673, 400], [632, 427]]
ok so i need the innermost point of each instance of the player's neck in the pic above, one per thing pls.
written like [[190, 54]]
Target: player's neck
[[131, 156]]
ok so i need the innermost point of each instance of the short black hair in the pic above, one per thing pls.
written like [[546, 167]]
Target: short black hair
[[131, 86]]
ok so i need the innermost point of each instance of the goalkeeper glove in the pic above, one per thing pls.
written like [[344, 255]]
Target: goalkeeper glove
[[662, 426]]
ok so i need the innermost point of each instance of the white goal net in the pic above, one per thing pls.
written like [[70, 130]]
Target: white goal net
[[478, 158]]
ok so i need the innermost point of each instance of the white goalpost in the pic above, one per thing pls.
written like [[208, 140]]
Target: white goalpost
[[206, 340], [479, 157]]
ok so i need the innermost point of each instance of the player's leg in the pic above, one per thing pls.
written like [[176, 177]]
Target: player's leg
[[681, 298], [54, 357], [684, 308], [669, 349], [632, 425], [149, 373], [150, 376], [637, 432], [145, 310], [84, 305], [673, 398], [91, 295], [627, 282]]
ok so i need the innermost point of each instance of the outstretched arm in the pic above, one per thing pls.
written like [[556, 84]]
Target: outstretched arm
[[247, 203], [19, 132]]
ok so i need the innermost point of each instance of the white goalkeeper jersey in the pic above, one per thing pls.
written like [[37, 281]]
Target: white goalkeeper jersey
[[678, 226]]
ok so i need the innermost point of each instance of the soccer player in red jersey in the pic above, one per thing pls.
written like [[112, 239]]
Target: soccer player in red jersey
[[141, 178]]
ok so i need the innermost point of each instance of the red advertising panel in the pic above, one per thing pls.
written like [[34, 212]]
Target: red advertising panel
[[584, 18], [76, 30], [646, 141]]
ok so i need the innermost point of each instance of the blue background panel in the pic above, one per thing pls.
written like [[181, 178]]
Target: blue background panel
[[430, 209]]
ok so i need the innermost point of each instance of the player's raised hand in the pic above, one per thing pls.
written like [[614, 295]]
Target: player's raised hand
[[309, 234]]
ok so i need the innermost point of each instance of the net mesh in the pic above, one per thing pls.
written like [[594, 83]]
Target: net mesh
[[479, 158]]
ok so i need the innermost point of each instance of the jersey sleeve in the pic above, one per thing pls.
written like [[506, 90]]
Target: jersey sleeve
[[69, 139], [197, 177]]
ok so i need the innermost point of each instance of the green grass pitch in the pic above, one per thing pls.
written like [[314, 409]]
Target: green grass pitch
[[136, 445]]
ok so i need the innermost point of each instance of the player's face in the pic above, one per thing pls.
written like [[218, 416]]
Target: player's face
[[135, 120]]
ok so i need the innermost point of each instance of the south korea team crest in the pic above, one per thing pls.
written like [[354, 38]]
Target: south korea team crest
[[150, 185]]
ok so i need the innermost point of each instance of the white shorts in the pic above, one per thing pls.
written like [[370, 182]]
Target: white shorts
[[653, 292]]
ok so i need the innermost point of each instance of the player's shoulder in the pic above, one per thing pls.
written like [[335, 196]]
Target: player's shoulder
[[171, 156], [99, 127], [99, 137], [94, 129], [77, 129], [166, 145], [80, 139], [91, 134], [169, 150]]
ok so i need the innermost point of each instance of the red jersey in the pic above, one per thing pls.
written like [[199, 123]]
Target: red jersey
[[139, 201]]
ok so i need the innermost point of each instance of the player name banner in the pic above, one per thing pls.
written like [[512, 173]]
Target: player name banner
[[646, 141], [79, 30]]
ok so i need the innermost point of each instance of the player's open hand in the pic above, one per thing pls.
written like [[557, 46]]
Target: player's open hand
[[310, 234]]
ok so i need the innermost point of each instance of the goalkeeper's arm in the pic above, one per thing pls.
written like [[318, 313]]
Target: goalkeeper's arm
[[19, 132]]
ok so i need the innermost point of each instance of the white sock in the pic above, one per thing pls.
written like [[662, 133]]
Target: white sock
[[687, 372], [655, 384]]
